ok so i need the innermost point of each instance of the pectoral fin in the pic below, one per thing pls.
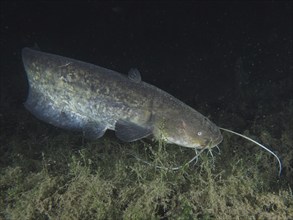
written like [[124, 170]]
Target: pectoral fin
[[94, 130], [128, 131]]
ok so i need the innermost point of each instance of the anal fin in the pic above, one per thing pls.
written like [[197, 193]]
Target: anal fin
[[47, 110]]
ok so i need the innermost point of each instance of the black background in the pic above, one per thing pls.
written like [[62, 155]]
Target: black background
[[189, 49]]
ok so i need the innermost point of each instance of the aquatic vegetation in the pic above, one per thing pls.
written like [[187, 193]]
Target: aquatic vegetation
[[48, 173], [61, 175]]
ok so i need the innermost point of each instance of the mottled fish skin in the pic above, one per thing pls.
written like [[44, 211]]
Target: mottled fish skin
[[75, 95]]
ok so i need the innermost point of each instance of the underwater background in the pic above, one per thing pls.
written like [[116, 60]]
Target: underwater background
[[231, 61]]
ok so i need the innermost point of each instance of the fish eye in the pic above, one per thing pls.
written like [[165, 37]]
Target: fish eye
[[199, 133]]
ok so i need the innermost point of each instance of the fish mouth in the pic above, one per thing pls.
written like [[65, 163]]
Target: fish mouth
[[211, 143], [216, 141]]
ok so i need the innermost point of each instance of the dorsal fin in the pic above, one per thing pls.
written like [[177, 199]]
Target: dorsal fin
[[134, 75]]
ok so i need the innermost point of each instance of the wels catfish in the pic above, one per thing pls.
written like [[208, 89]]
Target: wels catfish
[[80, 96], [75, 95]]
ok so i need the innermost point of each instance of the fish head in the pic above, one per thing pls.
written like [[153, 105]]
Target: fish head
[[198, 133]]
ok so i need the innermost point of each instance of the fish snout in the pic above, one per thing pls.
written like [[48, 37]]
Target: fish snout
[[217, 140]]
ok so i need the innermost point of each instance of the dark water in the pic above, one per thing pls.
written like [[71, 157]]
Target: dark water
[[232, 61], [192, 50]]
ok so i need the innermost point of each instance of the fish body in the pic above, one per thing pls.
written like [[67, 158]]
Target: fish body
[[79, 96]]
